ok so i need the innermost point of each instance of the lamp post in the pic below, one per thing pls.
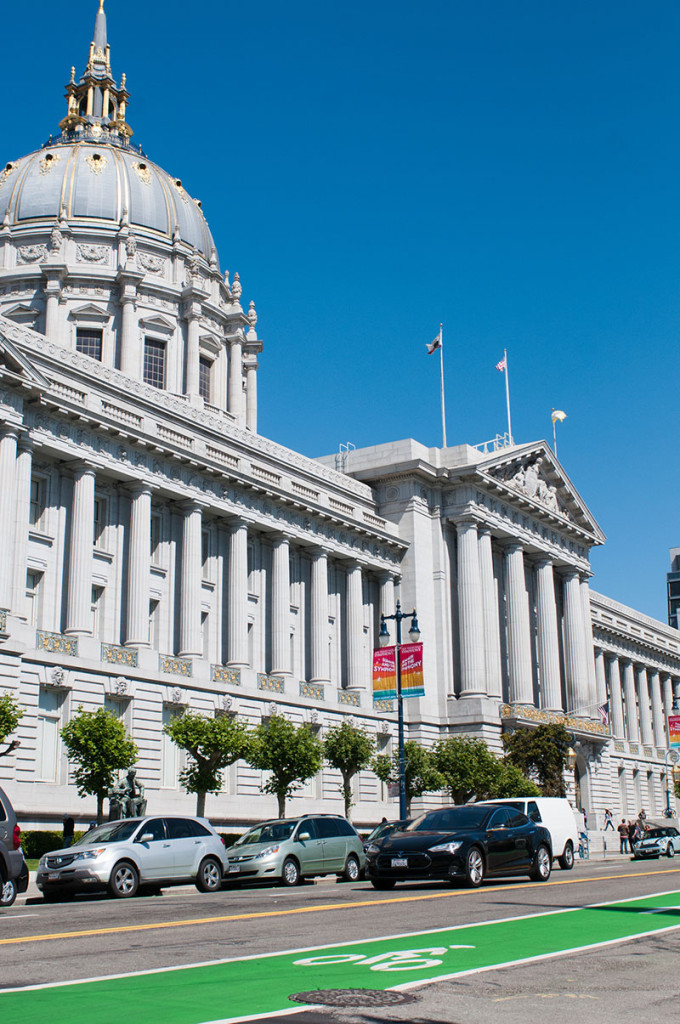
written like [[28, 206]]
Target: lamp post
[[384, 639]]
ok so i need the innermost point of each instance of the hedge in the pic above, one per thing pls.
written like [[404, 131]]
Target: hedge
[[36, 843]]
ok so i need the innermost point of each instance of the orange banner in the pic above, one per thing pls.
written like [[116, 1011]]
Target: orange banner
[[674, 731], [412, 684], [384, 674]]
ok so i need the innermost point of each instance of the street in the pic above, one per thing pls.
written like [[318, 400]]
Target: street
[[97, 937]]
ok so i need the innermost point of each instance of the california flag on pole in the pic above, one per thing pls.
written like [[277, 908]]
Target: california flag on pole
[[434, 345]]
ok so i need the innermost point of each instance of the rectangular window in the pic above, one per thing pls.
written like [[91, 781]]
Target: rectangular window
[[97, 610], [37, 502], [89, 342], [154, 362], [48, 743], [33, 582], [204, 369], [155, 625], [99, 521], [155, 540], [170, 754]]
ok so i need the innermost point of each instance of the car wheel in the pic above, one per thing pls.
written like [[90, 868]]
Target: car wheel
[[352, 870], [383, 883], [124, 880], [566, 861], [8, 892], [290, 873], [670, 849], [541, 867], [474, 868], [209, 877]]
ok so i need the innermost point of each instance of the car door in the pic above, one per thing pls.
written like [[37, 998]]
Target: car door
[[309, 850], [500, 841], [187, 840], [154, 855], [521, 832], [334, 844]]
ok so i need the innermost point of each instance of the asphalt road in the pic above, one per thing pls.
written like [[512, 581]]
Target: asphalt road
[[97, 936]]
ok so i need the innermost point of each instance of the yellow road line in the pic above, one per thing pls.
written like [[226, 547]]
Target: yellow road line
[[318, 909]]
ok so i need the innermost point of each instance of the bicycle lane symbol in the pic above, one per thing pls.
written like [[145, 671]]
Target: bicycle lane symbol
[[398, 960]]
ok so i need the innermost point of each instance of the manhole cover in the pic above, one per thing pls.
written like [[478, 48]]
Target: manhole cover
[[353, 997]]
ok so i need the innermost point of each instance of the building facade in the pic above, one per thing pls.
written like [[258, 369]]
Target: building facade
[[159, 554]]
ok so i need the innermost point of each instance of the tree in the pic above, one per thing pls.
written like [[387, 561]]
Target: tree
[[292, 754], [470, 770], [10, 716], [540, 753], [420, 775], [349, 749], [212, 744], [99, 746], [511, 782]]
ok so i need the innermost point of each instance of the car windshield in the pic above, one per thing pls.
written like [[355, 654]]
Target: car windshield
[[656, 833], [268, 832], [451, 819], [111, 832]]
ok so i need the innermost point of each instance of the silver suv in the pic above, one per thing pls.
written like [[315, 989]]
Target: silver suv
[[290, 849], [13, 870], [122, 855]]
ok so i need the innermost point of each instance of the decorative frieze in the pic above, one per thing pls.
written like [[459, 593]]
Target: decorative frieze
[[633, 748], [353, 699], [3, 621], [31, 253], [523, 712], [170, 665], [383, 705], [115, 655], [92, 253], [620, 747], [272, 684], [648, 752], [222, 674], [312, 690], [56, 643]]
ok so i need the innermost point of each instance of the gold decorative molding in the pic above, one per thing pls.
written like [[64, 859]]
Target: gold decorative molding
[[620, 747], [633, 748], [3, 621], [56, 643], [527, 713], [222, 674], [272, 684], [353, 699], [314, 691], [115, 655], [176, 666], [383, 705]]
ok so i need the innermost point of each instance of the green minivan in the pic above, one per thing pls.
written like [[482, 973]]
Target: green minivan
[[287, 850]]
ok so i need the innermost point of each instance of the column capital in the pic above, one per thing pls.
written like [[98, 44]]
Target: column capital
[[512, 546], [141, 487]]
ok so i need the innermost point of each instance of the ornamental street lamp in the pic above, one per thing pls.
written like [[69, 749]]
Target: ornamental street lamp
[[384, 639]]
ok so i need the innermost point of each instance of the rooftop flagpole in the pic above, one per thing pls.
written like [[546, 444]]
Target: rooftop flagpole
[[507, 392], [441, 367]]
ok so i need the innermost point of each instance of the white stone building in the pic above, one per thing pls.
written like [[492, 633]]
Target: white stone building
[[159, 554]]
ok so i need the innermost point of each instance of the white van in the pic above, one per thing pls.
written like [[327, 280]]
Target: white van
[[557, 815]]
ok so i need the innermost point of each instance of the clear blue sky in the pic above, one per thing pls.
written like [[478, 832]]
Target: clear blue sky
[[374, 168]]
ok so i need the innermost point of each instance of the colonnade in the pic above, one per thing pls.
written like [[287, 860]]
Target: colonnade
[[641, 698]]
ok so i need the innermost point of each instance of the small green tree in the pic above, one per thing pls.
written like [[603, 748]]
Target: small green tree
[[349, 749], [212, 744], [99, 747], [511, 782], [292, 754], [10, 716], [467, 766], [420, 775], [541, 754]]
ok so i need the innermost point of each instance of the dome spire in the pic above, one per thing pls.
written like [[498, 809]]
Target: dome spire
[[95, 102]]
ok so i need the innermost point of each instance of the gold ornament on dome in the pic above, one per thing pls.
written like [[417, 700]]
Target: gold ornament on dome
[[143, 173], [8, 169], [96, 130], [49, 162], [180, 188], [96, 162]]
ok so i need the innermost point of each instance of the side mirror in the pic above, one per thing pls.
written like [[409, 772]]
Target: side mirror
[[148, 837], [303, 836]]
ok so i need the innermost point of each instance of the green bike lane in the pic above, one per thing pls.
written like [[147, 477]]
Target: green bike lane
[[243, 987]]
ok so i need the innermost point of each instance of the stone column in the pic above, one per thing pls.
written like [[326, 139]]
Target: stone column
[[576, 669], [130, 347], [280, 618], [139, 556], [235, 398], [190, 608], [320, 667], [589, 652], [519, 629], [642, 685], [24, 468], [387, 600], [667, 687], [470, 611], [548, 640], [632, 727], [79, 597], [616, 707], [600, 681], [658, 718], [492, 634], [192, 358], [237, 608], [8, 484], [355, 626], [251, 397]]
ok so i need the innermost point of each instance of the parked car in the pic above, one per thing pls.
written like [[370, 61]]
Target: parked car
[[557, 815], [13, 870], [290, 849], [122, 855], [470, 842], [662, 840], [382, 830]]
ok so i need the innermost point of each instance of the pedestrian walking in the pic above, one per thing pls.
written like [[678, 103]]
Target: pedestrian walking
[[631, 834], [608, 820], [67, 831], [622, 829]]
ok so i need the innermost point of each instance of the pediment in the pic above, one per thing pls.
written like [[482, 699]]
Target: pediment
[[22, 314], [90, 312], [14, 363], [533, 474], [159, 324]]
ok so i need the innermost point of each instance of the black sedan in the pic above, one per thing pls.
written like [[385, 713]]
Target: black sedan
[[467, 843]]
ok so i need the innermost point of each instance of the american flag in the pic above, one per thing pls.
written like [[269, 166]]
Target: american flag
[[604, 714], [502, 364]]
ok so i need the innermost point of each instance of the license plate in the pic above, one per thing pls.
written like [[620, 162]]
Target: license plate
[[53, 876], [400, 862], [234, 869]]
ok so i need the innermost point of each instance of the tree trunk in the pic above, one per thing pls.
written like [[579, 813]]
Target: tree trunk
[[281, 797], [100, 808], [347, 794], [200, 805]]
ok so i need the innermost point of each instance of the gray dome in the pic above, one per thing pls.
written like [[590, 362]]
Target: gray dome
[[97, 181]]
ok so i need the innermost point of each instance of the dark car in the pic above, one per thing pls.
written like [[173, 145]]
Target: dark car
[[382, 830], [13, 870], [467, 843]]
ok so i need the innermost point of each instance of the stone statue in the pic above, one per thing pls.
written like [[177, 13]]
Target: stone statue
[[126, 798], [56, 238]]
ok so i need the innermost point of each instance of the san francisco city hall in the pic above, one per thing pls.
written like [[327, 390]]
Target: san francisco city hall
[[159, 554]]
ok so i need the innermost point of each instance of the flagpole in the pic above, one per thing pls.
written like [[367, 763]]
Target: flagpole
[[554, 436], [507, 392], [441, 367]]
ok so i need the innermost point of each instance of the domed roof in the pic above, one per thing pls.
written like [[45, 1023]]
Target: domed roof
[[102, 181]]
